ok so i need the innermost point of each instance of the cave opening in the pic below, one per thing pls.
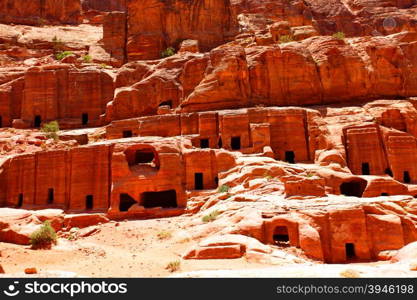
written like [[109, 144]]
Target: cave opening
[[290, 157], [350, 251], [164, 199], [144, 157], [365, 169], [50, 196], [388, 171], [204, 143], [166, 103], [126, 202], [235, 143], [20, 200], [38, 121], [406, 177], [84, 118], [353, 188], [198, 181], [89, 202], [127, 133], [281, 237]]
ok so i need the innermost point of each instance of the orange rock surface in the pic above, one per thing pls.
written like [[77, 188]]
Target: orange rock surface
[[222, 133]]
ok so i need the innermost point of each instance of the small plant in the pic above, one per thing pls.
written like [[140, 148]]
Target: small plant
[[173, 266], [164, 235], [104, 66], [211, 216], [62, 54], [268, 176], [44, 237], [309, 175], [223, 189], [339, 35], [51, 130], [285, 39], [87, 58], [168, 52]]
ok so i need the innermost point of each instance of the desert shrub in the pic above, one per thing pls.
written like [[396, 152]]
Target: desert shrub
[[223, 189], [285, 39], [87, 58], [163, 235], [62, 54], [51, 130], [168, 52], [44, 237], [173, 266], [339, 35], [211, 216], [104, 66]]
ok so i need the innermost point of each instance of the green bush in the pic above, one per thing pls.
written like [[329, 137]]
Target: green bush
[[339, 35], [168, 52], [285, 39], [51, 130], [211, 216], [87, 58], [223, 189], [62, 54], [44, 237]]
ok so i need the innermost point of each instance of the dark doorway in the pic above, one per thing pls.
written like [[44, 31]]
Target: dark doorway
[[406, 177], [281, 236], [388, 172], [1, 121], [89, 202], [204, 143], [127, 133], [290, 157], [144, 157], [216, 180], [165, 199], [50, 196], [235, 143], [384, 194], [166, 103], [198, 181], [350, 251], [20, 200], [38, 121], [353, 188], [220, 143], [365, 169], [84, 119], [126, 202]]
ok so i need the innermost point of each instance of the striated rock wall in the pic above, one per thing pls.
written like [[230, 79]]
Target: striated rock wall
[[56, 93], [104, 5], [40, 12], [155, 25], [318, 70]]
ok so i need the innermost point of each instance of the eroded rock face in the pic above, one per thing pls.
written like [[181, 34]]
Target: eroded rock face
[[66, 94], [40, 12], [275, 125], [211, 22]]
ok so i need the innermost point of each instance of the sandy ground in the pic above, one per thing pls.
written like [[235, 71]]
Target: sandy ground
[[133, 249]]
